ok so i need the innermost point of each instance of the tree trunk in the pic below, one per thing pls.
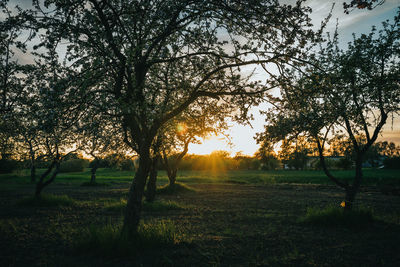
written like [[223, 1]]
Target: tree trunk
[[33, 167], [134, 205], [93, 171], [152, 183], [351, 191], [42, 183], [349, 198], [33, 172], [172, 176]]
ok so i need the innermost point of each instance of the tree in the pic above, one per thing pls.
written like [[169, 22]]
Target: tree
[[100, 135], [120, 46], [202, 120], [267, 155], [51, 110], [11, 73], [349, 92]]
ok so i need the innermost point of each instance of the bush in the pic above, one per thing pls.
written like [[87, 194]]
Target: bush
[[392, 163], [337, 216], [126, 165], [344, 163], [73, 165], [7, 165]]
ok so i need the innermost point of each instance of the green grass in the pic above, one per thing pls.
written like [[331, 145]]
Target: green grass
[[110, 241], [110, 176], [47, 200], [334, 216]]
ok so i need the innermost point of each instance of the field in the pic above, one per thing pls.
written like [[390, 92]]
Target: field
[[242, 218]]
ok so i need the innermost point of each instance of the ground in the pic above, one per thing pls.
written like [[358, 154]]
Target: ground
[[222, 224]]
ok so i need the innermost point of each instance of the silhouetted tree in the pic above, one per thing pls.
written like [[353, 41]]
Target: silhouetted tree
[[119, 47], [349, 92]]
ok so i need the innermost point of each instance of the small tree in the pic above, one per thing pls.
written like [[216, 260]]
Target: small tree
[[350, 92], [198, 122]]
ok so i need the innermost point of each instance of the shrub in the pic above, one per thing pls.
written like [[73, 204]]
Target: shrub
[[73, 165], [344, 163], [47, 200], [392, 163], [337, 216], [7, 165], [126, 165]]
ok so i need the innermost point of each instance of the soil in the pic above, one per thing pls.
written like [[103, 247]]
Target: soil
[[222, 224]]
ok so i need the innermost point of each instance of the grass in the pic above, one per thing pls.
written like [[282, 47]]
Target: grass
[[159, 206], [162, 206], [47, 200], [94, 184], [110, 241], [379, 177], [177, 188], [221, 225], [334, 216]]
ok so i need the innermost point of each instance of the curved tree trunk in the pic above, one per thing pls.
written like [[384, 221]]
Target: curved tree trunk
[[134, 204], [42, 183]]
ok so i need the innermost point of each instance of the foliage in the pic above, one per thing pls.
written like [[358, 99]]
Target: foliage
[[8, 165], [47, 200], [335, 216], [392, 163], [72, 165], [361, 4]]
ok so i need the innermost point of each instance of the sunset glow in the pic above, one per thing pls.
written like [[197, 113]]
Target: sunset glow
[[209, 145]]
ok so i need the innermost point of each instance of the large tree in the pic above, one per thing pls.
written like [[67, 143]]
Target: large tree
[[120, 47], [348, 92]]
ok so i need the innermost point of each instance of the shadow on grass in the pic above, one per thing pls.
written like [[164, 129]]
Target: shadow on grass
[[110, 241], [47, 200], [332, 216], [177, 188]]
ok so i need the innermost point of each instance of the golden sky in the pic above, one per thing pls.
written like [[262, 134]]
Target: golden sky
[[358, 21]]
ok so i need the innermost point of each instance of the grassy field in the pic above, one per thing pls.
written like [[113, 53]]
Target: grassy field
[[241, 218], [371, 177]]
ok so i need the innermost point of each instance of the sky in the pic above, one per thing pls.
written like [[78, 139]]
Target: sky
[[241, 137], [358, 22]]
